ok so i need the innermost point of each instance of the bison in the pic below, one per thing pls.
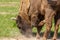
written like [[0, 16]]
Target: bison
[[24, 19], [36, 13]]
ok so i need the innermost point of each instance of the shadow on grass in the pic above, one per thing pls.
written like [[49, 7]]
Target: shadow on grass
[[50, 35]]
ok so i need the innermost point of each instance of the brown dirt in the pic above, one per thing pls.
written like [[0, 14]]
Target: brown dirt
[[21, 38], [17, 38]]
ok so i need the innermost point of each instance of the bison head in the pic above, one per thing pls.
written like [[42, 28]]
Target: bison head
[[24, 26]]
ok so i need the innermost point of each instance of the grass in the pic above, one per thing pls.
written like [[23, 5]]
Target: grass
[[8, 27], [9, 9], [9, 0]]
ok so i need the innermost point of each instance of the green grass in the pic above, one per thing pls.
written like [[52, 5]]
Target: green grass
[[9, 0], [9, 9], [7, 26]]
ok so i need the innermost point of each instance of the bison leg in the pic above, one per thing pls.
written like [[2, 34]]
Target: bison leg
[[56, 31], [38, 32], [41, 23], [57, 22], [48, 18]]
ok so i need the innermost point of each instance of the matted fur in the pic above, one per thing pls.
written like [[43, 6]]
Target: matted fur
[[38, 10]]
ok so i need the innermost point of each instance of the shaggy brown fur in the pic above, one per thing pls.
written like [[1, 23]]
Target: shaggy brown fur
[[57, 23], [36, 11], [56, 7], [23, 21], [43, 8], [47, 8]]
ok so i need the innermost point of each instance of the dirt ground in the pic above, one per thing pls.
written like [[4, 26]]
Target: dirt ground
[[17, 38], [20, 38]]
